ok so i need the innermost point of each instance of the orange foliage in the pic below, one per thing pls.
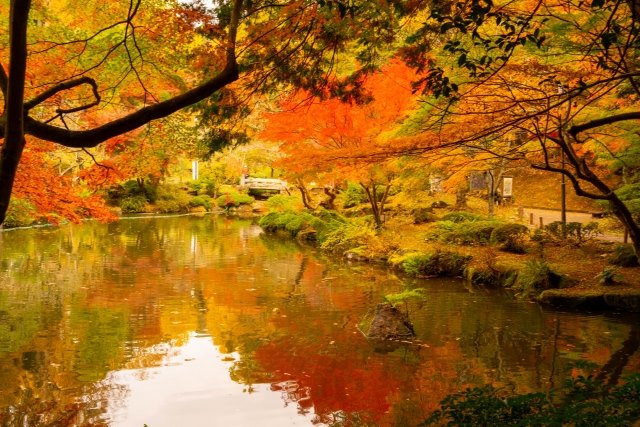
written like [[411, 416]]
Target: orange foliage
[[330, 136], [54, 196]]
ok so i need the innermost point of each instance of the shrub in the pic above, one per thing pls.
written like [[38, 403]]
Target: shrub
[[440, 263], [510, 237], [203, 200], [21, 213], [536, 277], [624, 256], [422, 215], [281, 203], [608, 276], [133, 188], [461, 217], [576, 233], [172, 199], [234, 199], [343, 236], [353, 195], [294, 223], [582, 401], [172, 206], [133, 204], [466, 233]]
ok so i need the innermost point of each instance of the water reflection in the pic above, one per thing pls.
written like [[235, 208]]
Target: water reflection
[[155, 320]]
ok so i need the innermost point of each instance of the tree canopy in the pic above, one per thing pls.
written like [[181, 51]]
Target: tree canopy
[[550, 85]]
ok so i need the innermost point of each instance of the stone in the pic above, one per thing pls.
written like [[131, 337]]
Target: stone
[[390, 323]]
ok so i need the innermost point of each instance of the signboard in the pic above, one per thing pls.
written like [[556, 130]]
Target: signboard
[[507, 186], [435, 183]]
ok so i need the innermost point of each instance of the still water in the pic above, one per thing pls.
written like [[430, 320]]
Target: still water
[[206, 321]]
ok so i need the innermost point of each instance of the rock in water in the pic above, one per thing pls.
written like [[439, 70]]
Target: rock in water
[[390, 323]]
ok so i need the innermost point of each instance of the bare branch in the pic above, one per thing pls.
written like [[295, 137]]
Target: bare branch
[[576, 129], [574, 181], [92, 137], [65, 86]]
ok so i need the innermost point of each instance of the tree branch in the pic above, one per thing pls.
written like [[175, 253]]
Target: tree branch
[[65, 86], [92, 137], [574, 181], [576, 129]]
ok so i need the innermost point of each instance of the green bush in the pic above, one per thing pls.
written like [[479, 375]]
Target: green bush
[[440, 263], [343, 236], [510, 237], [304, 225], [172, 206], [21, 213], [624, 256], [235, 199], [282, 203], [465, 233], [608, 276], [203, 201], [462, 217], [353, 195], [292, 222], [576, 233], [536, 277], [172, 199], [204, 186], [133, 188], [582, 401], [133, 204]]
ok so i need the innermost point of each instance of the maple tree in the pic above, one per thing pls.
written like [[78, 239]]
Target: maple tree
[[549, 84], [141, 61], [329, 141]]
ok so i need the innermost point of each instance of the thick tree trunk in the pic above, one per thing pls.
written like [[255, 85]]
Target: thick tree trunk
[[377, 202], [331, 194], [625, 216], [14, 130], [307, 200]]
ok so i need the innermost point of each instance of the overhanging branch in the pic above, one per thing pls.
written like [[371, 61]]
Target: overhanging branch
[[574, 181], [576, 129], [66, 86]]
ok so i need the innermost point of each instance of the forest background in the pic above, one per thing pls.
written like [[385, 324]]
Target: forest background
[[376, 98]]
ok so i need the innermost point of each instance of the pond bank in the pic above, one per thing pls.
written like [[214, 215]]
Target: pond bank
[[566, 276]]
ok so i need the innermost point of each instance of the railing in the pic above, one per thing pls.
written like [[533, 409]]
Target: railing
[[263, 184]]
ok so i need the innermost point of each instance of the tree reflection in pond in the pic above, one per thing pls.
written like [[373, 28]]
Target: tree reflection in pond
[[217, 320]]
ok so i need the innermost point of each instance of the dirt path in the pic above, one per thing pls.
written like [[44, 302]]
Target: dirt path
[[547, 216]]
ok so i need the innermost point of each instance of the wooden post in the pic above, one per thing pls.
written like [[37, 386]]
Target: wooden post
[[626, 235], [531, 218], [541, 223]]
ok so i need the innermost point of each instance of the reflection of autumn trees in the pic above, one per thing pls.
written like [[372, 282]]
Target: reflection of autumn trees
[[79, 302]]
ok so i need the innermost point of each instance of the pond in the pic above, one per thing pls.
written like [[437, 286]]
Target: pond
[[207, 321]]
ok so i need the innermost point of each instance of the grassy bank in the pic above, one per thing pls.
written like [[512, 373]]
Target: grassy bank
[[580, 271]]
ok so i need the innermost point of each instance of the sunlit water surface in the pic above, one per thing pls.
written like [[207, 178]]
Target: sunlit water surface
[[206, 321]]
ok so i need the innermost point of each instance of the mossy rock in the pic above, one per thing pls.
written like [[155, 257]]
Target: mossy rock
[[440, 263], [560, 299], [492, 277], [387, 323]]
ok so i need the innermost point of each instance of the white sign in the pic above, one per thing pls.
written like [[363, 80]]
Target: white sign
[[507, 187]]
